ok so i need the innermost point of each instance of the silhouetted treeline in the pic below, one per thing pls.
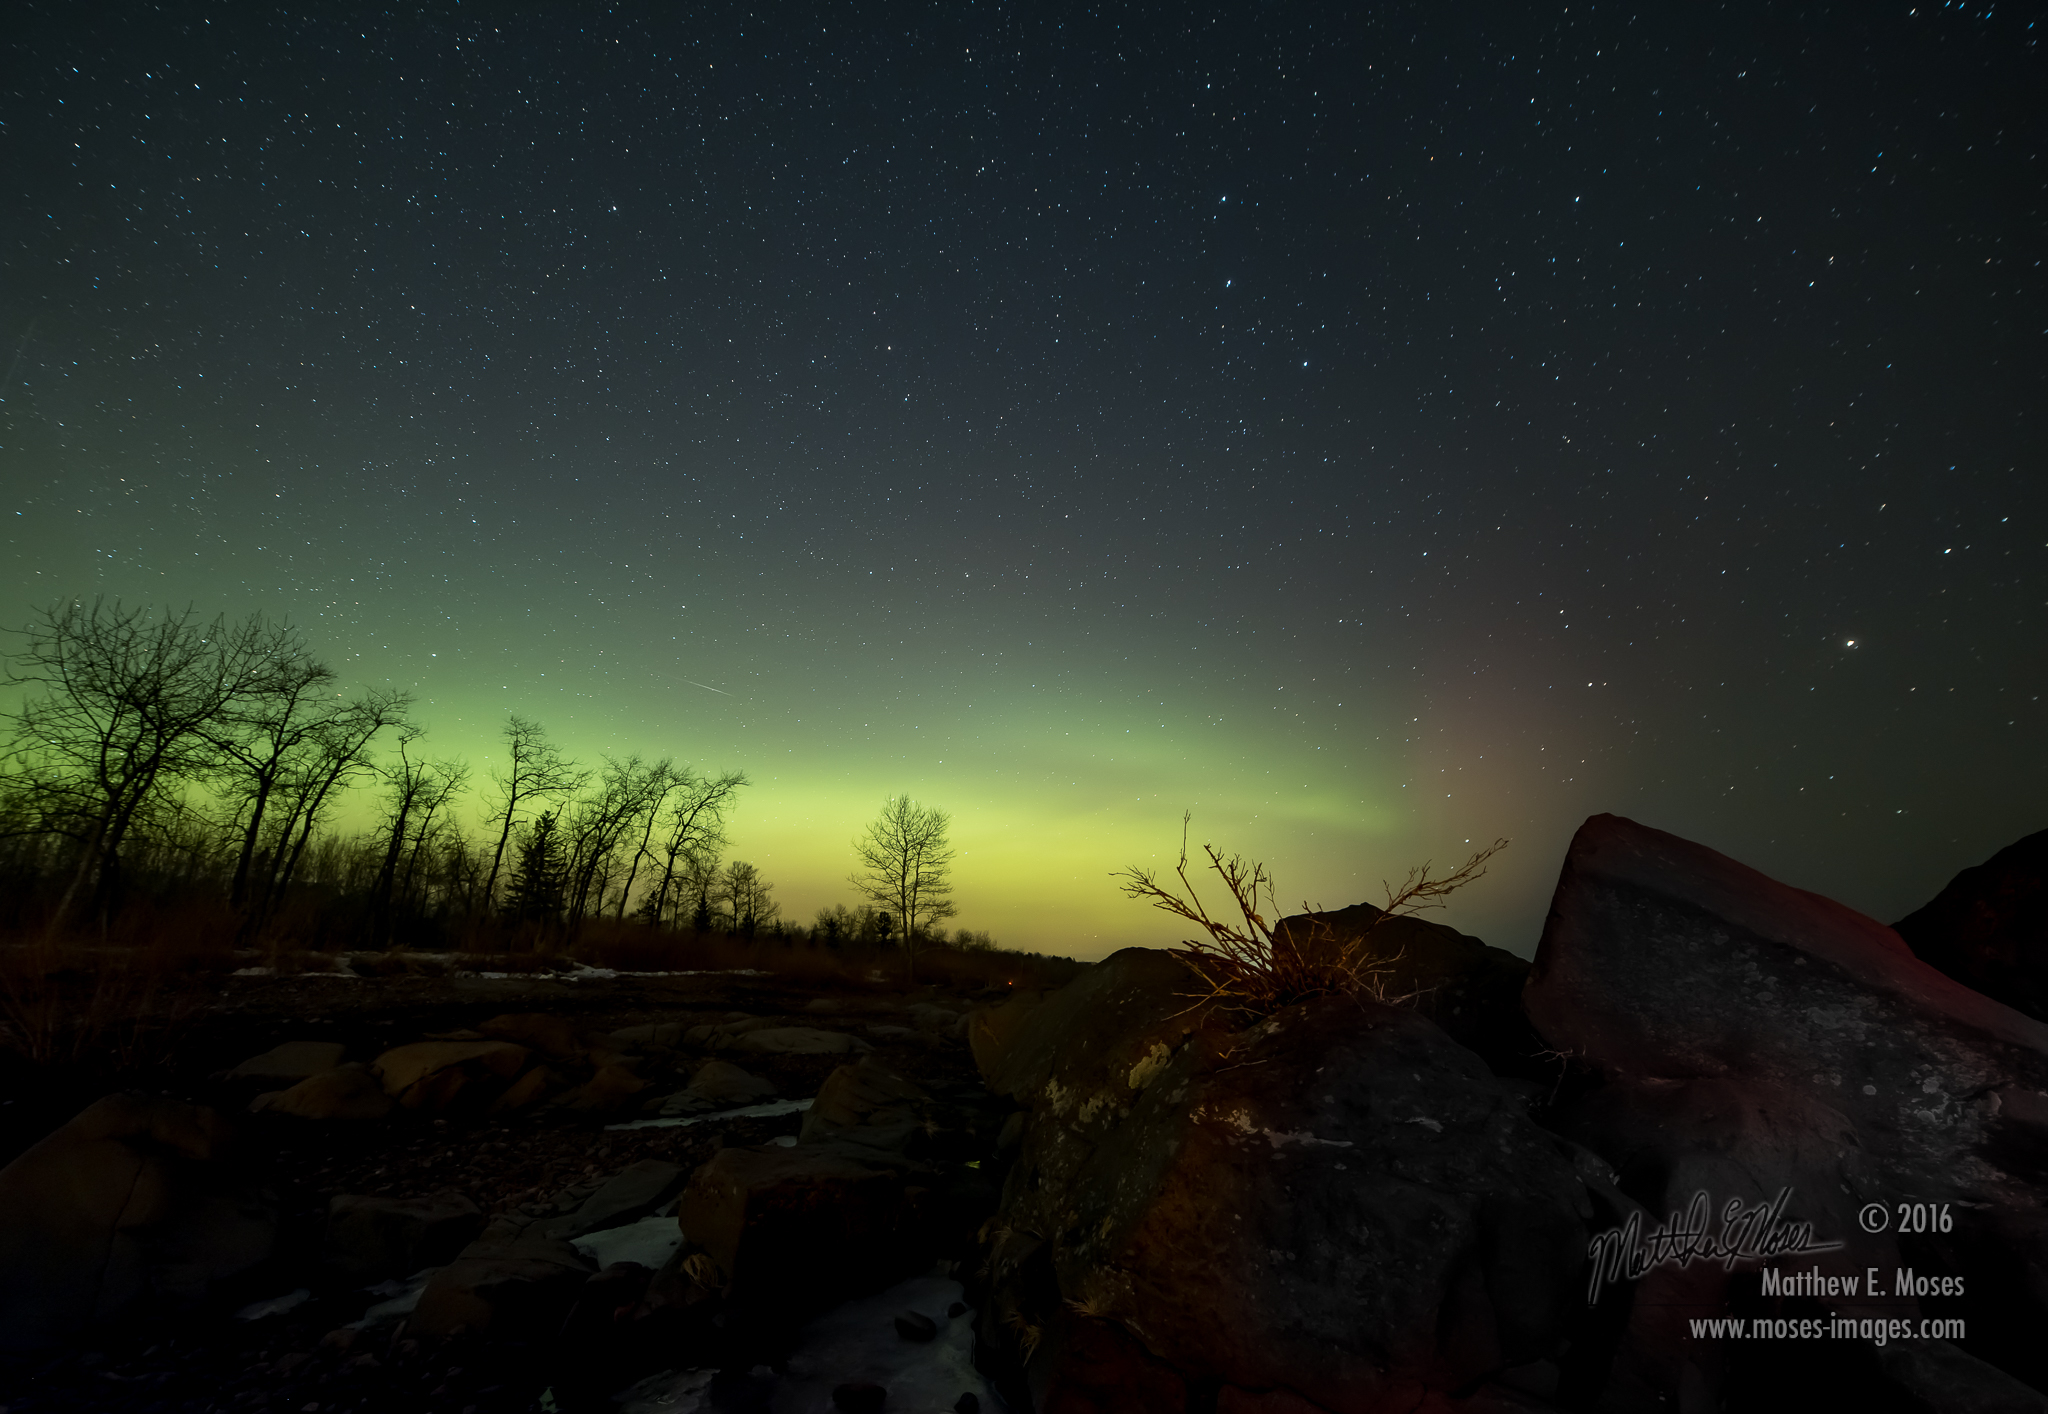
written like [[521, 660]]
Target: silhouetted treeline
[[154, 757]]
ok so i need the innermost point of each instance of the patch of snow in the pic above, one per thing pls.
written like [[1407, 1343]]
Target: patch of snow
[[399, 1299], [581, 972], [784, 1141], [858, 1341], [275, 1306], [1307, 1140], [1433, 1126], [254, 972], [650, 1242], [670, 1392], [762, 1111]]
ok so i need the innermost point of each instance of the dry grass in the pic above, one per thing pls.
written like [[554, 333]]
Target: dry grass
[[111, 1006], [121, 999], [1248, 967], [635, 947]]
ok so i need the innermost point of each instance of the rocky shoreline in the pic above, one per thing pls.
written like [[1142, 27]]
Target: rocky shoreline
[[720, 1193]]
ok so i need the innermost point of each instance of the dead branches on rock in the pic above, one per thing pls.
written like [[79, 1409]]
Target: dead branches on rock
[[1258, 967]]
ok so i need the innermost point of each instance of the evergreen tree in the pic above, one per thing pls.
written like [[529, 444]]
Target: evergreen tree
[[542, 872]]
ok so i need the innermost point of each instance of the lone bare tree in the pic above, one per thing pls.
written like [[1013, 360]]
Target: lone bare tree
[[535, 769], [907, 866]]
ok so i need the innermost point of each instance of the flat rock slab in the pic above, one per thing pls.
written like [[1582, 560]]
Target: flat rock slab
[[371, 1239], [796, 1041], [347, 1092], [722, 1082], [627, 1196], [508, 1288], [291, 1062], [404, 1066], [659, 1033]]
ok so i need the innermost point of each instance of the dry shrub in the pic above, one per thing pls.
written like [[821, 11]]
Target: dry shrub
[[635, 947], [113, 1007], [397, 962], [502, 962], [798, 961], [975, 969], [117, 997], [1249, 967]]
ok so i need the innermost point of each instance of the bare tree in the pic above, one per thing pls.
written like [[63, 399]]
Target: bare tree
[[535, 769], [443, 781], [908, 866], [340, 754], [128, 698], [257, 739], [598, 827], [419, 788], [661, 778], [693, 832], [747, 897]]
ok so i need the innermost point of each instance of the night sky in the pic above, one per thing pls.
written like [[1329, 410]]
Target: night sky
[[1372, 428]]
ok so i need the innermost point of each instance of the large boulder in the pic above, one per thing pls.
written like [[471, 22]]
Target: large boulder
[[1124, 1015], [136, 1196], [1338, 1203], [1989, 928], [796, 1229], [1748, 1039], [865, 1103], [1470, 989], [991, 1030]]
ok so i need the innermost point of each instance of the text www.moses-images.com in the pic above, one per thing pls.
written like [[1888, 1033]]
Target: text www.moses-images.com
[[1876, 1329]]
